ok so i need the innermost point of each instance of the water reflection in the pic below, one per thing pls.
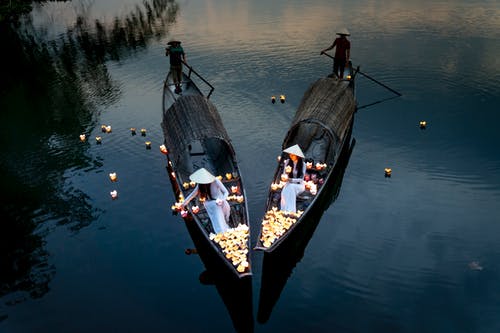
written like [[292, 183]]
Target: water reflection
[[235, 293], [278, 265], [51, 91]]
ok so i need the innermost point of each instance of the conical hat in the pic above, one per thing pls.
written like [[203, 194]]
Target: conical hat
[[295, 150], [202, 176], [343, 31]]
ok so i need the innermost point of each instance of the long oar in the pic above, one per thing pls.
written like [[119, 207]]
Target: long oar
[[371, 78]]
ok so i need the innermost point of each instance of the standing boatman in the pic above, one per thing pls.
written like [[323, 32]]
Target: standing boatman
[[177, 56], [342, 52]]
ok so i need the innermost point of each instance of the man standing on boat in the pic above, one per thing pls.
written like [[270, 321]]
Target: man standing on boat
[[342, 52], [177, 56]]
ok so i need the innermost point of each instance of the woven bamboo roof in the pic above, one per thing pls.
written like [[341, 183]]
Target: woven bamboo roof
[[189, 119], [329, 101]]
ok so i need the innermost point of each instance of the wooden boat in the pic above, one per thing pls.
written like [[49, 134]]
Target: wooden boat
[[278, 265], [194, 138], [321, 128]]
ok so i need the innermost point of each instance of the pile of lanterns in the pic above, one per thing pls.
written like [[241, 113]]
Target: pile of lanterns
[[234, 245], [275, 223]]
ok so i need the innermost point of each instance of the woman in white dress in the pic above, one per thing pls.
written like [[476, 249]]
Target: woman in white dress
[[214, 196], [294, 169]]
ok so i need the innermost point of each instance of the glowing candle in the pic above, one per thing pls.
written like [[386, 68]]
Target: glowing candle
[[423, 124], [388, 172], [148, 144], [273, 99], [143, 131], [98, 139], [108, 129], [114, 194], [103, 128], [132, 130], [113, 177], [282, 98], [82, 137]]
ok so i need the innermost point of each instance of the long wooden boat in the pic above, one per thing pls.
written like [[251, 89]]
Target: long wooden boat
[[278, 265], [321, 128], [194, 138]]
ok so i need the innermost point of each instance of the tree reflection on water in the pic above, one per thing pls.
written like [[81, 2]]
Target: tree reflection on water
[[51, 91]]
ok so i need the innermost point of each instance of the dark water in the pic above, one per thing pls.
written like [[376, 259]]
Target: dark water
[[416, 252]]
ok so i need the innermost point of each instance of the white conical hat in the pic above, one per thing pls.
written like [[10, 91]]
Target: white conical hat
[[295, 150], [202, 176], [343, 31]]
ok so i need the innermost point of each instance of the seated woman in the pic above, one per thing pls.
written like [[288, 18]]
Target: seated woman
[[213, 194], [294, 171]]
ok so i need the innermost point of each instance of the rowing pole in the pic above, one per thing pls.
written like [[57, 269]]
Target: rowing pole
[[371, 78]]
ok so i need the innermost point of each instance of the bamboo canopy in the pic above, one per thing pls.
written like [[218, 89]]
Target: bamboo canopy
[[330, 102], [191, 118]]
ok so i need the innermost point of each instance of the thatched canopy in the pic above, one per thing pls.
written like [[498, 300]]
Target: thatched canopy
[[190, 119], [329, 101]]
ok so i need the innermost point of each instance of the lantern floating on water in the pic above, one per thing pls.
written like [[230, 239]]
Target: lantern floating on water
[[113, 177], [195, 209], [273, 99], [103, 128], [282, 98], [148, 144], [388, 172], [143, 131], [423, 124], [114, 194], [163, 149], [108, 129], [132, 131], [82, 137], [98, 139]]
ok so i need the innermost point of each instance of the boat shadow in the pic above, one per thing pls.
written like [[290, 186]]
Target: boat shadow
[[278, 265], [235, 292]]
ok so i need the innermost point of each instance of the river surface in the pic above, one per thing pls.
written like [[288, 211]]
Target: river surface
[[415, 252]]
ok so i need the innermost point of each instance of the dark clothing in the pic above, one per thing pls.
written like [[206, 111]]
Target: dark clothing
[[176, 53], [342, 45]]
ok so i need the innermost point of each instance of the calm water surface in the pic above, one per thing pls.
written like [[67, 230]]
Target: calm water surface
[[416, 252]]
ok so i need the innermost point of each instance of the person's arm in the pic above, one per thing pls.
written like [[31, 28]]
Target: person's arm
[[222, 188], [329, 47], [191, 196]]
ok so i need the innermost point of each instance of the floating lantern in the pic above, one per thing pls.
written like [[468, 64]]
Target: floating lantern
[[163, 149], [273, 99], [234, 189], [82, 137], [113, 177], [388, 172], [185, 185], [148, 144], [195, 209], [143, 131], [229, 176], [132, 131], [114, 194], [108, 129], [423, 124], [103, 128], [282, 98], [98, 140]]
